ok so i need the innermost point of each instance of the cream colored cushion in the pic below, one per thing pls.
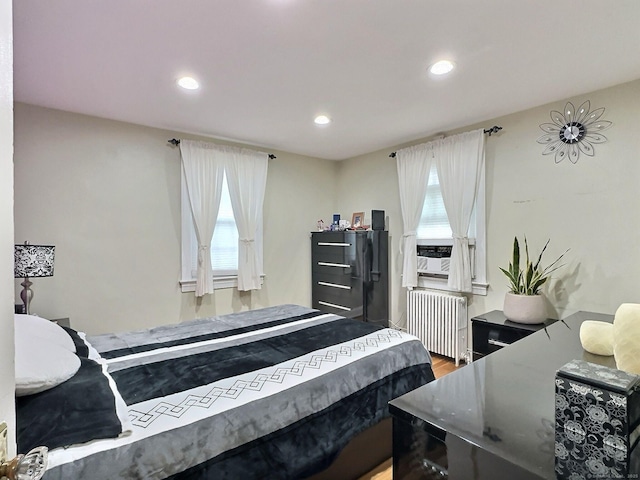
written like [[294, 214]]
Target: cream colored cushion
[[41, 365], [30, 326], [597, 337], [626, 337]]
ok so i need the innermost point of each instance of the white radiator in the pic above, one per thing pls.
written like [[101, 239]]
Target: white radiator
[[439, 320]]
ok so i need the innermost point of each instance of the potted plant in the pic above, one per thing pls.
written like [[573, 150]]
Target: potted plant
[[523, 303]]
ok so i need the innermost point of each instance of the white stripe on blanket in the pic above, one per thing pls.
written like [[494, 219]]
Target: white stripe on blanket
[[159, 415], [190, 346]]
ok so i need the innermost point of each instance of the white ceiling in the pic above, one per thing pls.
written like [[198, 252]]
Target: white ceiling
[[268, 67]]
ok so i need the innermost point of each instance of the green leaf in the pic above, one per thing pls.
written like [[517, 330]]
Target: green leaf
[[541, 253], [532, 277], [529, 274], [516, 253]]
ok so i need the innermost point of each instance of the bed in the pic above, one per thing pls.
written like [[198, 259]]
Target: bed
[[272, 393]]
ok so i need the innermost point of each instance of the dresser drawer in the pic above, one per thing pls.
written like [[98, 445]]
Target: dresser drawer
[[337, 288], [334, 249], [345, 236], [338, 269], [337, 308], [339, 276], [490, 338], [338, 295], [343, 258]]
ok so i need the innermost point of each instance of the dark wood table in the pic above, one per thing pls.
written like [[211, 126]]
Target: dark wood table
[[494, 418]]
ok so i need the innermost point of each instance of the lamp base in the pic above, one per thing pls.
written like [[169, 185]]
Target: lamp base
[[26, 294]]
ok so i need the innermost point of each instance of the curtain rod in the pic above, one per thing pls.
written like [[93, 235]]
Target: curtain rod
[[489, 131], [175, 142]]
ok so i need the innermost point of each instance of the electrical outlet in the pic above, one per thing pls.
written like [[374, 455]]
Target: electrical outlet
[[3, 442]]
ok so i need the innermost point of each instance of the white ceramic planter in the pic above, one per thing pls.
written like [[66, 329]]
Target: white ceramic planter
[[524, 308]]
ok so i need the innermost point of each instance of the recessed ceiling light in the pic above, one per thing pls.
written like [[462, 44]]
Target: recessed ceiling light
[[188, 83], [441, 67], [322, 120]]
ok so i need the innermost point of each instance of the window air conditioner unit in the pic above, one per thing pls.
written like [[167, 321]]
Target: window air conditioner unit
[[433, 266], [434, 256], [433, 259]]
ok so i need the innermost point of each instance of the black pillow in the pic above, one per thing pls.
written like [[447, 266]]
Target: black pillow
[[82, 350], [77, 411]]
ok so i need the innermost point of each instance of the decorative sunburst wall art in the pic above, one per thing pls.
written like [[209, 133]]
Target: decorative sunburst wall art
[[573, 131]]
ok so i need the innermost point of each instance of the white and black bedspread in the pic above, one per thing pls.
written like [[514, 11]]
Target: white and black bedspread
[[270, 393]]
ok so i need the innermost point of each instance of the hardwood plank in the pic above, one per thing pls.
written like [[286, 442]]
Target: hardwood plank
[[442, 365], [381, 472]]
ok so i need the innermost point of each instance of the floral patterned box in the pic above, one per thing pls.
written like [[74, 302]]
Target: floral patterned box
[[597, 422]]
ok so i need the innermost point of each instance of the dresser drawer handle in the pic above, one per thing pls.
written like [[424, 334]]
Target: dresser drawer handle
[[333, 244], [327, 304], [335, 285], [497, 343], [434, 470], [329, 264]]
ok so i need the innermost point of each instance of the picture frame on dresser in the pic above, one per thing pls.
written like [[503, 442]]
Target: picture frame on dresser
[[357, 219]]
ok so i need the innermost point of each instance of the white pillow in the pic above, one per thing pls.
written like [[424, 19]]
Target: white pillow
[[41, 365], [30, 326]]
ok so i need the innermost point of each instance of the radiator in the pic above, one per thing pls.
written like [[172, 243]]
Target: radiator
[[439, 320]]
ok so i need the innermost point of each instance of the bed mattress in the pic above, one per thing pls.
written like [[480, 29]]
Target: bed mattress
[[269, 393]]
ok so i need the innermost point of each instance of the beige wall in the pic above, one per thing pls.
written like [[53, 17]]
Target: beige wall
[[7, 378], [107, 195], [590, 207]]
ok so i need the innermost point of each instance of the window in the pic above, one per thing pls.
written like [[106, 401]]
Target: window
[[434, 231], [434, 223], [224, 244]]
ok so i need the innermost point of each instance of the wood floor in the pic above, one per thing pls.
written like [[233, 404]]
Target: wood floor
[[441, 366]]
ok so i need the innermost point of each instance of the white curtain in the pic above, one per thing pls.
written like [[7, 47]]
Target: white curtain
[[413, 165], [204, 172], [247, 179], [460, 163]]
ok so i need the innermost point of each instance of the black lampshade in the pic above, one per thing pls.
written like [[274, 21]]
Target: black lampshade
[[33, 261]]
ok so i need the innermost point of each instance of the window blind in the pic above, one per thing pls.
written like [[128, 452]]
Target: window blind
[[434, 223], [224, 243]]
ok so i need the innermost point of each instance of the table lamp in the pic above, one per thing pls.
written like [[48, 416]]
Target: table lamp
[[32, 261]]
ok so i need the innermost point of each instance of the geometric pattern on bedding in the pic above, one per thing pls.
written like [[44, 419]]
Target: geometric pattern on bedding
[[244, 438], [144, 419]]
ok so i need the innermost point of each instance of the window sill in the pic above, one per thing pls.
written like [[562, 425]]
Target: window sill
[[435, 283], [226, 281]]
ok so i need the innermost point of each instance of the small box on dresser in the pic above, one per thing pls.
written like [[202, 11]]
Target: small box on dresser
[[597, 422]]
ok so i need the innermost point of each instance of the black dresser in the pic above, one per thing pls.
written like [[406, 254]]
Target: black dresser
[[350, 274], [493, 419]]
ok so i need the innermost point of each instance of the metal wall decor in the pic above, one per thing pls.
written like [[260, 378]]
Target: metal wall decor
[[573, 132]]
